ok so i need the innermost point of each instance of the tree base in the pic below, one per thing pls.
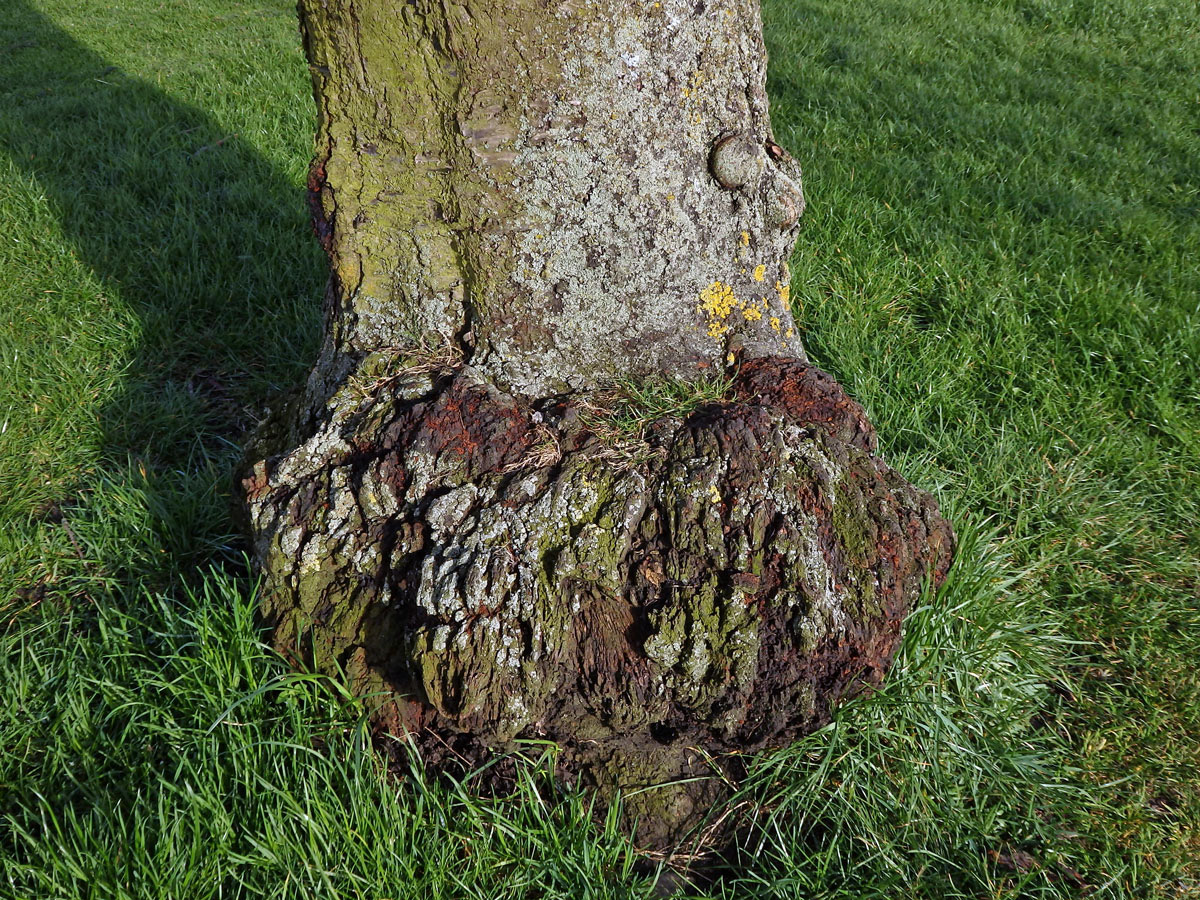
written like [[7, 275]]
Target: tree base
[[485, 571]]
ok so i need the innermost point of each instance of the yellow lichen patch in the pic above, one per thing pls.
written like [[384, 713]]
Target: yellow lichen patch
[[791, 332], [717, 302], [775, 322], [751, 314], [745, 239], [714, 494], [785, 292], [760, 272]]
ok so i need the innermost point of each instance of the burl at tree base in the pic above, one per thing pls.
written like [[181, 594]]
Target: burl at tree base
[[523, 204]]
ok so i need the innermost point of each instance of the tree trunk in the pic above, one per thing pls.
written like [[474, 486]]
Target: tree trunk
[[562, 470]]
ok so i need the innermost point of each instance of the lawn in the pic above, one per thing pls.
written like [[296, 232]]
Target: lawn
[[1000, 260]]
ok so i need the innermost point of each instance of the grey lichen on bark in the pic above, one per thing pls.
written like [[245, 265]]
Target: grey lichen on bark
[[535, 178], [522, 202]]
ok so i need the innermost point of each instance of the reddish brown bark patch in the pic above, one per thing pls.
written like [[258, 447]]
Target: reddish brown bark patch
[[468, 426], [808, 395]]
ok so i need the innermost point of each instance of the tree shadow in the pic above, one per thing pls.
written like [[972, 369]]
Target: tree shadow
[[205, 239]]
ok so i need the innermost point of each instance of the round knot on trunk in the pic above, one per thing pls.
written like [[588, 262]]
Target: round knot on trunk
[[737, 160]]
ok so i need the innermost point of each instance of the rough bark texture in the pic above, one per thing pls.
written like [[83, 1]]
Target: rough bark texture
[[520, 202], [533, 179]]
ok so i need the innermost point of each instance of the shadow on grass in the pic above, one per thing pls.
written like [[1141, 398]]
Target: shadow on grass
[[202, 237]]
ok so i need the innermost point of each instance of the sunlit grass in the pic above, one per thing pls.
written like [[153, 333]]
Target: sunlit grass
[[1000, 260]]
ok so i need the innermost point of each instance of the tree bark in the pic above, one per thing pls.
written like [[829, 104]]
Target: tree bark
[[524, 204]]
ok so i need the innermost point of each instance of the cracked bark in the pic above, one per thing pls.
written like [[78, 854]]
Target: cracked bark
[[522, 202]]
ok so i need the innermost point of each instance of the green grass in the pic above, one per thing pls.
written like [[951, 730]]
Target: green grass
[[186, 762], [999, 260], [623, 415], [938, 783]]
